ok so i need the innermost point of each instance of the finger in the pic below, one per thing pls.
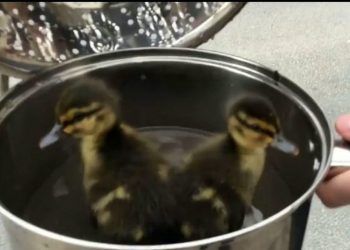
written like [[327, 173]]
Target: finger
[[334, 171], [342, 126], [335, 192]]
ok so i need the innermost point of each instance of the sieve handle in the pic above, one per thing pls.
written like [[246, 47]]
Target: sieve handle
[[341, 154]]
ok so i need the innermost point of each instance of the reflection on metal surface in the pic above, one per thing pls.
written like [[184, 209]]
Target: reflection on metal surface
[[317, 165], [253, 216], [341, 154], [44, 33]]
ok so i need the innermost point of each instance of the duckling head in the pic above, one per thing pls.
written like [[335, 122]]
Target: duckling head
[[87, 107], [253, 123]]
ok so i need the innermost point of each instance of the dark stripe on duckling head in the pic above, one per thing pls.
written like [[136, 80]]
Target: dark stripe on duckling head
[[257, 107], [79, 116], [256, 127]]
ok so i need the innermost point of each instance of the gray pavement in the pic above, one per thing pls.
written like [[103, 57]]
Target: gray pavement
[[310, 44]]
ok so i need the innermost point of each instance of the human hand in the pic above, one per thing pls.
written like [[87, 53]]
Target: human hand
[[335, 189]]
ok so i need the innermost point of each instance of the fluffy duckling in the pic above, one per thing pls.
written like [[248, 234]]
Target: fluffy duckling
[[125, 179], [217, 184]]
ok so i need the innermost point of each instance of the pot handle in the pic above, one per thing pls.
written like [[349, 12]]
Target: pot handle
[[341, 154]]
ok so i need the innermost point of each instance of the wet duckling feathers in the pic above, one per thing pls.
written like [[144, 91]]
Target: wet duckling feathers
[[125, 179]]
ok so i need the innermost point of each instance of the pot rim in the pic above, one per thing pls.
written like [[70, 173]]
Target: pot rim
[[324, 164]]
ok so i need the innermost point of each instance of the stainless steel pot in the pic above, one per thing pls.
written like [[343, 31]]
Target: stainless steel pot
[[41, 204]]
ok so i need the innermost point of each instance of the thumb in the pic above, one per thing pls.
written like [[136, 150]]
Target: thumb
[[342, 126]]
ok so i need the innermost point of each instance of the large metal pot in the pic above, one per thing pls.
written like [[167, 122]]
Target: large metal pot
[[40, 192]]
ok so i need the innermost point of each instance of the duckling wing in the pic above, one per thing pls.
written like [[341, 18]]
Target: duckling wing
[[147, 211], [235, 206], [201, 212], [210, 206], [138, 210]]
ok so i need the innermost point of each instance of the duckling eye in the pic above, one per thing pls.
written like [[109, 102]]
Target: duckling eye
[[239, 129], [78, 118], [254, 127], [99, 118], [81, 116]]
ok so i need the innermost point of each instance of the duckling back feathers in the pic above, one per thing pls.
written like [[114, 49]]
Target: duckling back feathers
[[220, 161], [141, 206], [208, 187]]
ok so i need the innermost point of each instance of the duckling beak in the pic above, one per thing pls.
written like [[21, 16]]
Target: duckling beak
[[51, 137], [285, 145]]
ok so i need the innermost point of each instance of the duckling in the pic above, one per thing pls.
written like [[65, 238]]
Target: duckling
[[217, 183], [125, 179]]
